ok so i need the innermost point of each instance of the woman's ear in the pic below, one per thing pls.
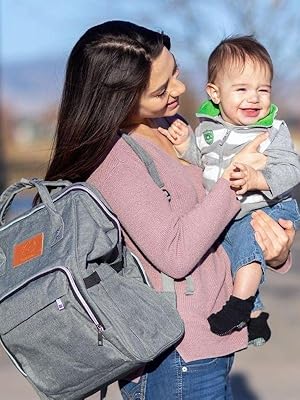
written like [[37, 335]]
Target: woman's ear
[[213, 92]]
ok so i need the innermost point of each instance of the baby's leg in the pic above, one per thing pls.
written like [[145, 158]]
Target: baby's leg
[[258, 329], [246, 283], [237, 311], [247, 264]]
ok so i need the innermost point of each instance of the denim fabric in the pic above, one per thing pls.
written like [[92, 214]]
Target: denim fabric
[[241, 246], [170, 378]]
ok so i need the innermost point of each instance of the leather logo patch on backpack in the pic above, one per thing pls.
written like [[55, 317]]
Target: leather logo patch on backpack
[[28, 249]]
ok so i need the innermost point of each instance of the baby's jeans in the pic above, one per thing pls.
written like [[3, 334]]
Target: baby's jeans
[[241, 246]]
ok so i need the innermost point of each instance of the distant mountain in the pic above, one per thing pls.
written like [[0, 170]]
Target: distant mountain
[[32, 86]]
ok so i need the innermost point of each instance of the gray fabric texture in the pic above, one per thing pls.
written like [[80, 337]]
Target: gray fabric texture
[[69, 340], [282, 171]]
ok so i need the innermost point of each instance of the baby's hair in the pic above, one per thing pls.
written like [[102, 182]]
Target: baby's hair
[[235, 50]]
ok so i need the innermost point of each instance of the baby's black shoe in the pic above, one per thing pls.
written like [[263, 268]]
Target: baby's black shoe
[[234, 315], [259, 331]]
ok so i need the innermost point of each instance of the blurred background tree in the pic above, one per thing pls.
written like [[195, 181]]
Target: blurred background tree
[[31, 86], [36, 38], [200, 26]]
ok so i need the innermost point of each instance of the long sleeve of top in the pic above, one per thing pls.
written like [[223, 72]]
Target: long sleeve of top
[[282, 171], [192, 153], [179, 238], [176, 237]]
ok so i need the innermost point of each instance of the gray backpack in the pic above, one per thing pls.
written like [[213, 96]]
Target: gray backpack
[[76, 312]]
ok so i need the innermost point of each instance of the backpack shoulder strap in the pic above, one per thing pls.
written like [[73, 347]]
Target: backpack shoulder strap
[[145, 158], [167, 282]]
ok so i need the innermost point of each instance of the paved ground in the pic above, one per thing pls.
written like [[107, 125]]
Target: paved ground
[[271, 372]]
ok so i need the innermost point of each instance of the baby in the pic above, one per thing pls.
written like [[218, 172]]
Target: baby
[[240, 73]]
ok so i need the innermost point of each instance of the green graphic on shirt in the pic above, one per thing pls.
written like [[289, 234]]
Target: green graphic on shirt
[[209, 136]]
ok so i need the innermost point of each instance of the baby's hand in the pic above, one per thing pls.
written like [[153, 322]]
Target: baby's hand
[[244, 178], [178, 132]]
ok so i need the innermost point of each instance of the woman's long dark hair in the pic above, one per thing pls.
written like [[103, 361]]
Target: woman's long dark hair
[[107, 71]]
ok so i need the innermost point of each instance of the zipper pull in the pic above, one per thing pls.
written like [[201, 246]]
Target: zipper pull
[[225, 137], [60, 304], [100, 335]]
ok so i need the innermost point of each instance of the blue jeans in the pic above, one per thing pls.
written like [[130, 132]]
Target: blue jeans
[[241, 246], [170, 378]]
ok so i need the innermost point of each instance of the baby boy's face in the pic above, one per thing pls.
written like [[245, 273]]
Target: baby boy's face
[[244, 93]]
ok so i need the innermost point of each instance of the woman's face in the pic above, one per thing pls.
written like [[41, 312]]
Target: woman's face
[[161, 98]]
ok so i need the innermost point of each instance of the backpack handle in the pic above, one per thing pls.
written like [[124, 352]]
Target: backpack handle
[[41, 186]]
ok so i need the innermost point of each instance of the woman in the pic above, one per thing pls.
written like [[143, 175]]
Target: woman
[[122, 78]]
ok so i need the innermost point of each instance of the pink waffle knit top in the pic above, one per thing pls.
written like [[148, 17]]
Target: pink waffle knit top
[[178, 238]]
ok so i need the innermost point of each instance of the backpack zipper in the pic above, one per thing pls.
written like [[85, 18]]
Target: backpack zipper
[[73, 187], [99, 325], [12, 358], [142, 271]]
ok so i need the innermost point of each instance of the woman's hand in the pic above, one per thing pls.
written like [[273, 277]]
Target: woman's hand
[[275, 239], [250, 154]]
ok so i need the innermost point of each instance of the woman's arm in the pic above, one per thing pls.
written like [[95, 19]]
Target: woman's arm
[[173, 241]]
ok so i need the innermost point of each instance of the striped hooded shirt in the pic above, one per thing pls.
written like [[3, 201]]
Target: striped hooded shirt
[[216, 142]]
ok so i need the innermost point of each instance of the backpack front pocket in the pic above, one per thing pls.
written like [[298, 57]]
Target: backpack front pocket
[[45, 325]]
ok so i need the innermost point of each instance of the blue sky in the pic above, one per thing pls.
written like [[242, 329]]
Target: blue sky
[[46, 30], [33, 29], [37, 28]]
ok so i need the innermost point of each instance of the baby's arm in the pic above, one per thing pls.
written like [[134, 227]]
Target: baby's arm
[[282, 171], [280, 174]]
